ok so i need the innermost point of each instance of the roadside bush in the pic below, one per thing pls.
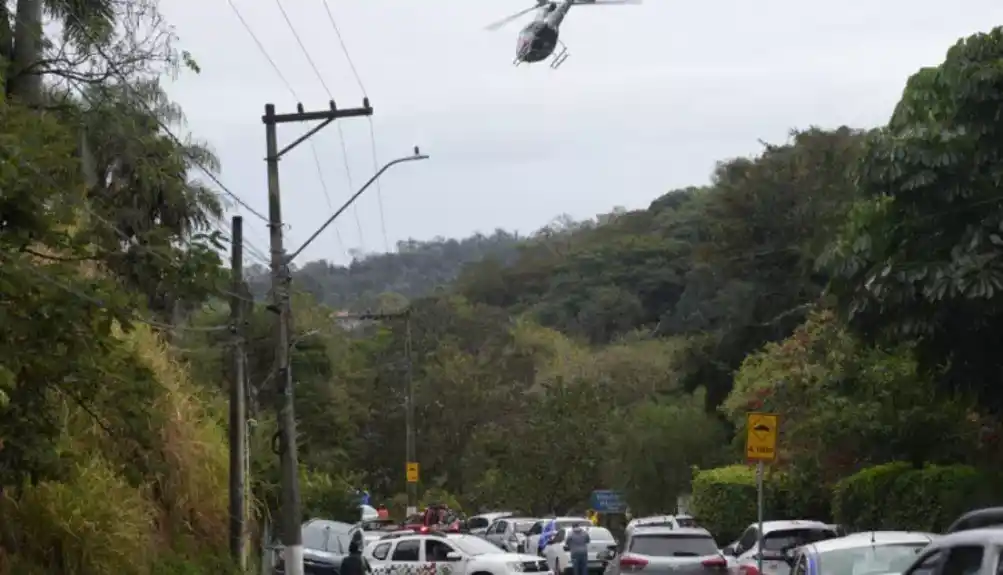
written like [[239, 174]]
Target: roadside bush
[[930, 499], [724, 500], [860, 501], [898, 496]]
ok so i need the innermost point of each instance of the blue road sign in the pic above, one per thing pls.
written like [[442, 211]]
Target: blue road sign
[[608, 501]]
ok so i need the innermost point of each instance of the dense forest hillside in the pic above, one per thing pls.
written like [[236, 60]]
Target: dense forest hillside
[[415, 268]]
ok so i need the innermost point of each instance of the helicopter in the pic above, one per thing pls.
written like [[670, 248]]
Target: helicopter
[[539, 39]]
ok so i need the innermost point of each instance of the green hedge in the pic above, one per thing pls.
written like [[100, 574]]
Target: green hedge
[[898, 496], [859, 502], [724, 500]]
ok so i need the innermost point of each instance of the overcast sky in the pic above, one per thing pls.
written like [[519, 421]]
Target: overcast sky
[[651, 97]]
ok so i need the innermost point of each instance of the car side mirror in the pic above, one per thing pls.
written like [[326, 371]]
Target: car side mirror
[[453, 556]]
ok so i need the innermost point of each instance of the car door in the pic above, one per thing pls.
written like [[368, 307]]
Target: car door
[[533, 537], [496, 532], [436, 553], [557, 558], [406, 554]]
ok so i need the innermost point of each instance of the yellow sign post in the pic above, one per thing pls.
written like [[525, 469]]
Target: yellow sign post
[[761, 436], [761, 447], [412, 472]]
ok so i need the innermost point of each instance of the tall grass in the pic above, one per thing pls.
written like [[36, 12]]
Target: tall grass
[[150, 501]]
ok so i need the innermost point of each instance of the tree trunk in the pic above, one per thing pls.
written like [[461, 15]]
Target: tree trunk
[[25, 83], [6, 47]]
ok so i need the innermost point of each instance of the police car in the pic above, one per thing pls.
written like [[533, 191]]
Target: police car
[[428, 552]]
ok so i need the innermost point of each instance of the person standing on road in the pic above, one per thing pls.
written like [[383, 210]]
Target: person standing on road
[[578, 545], [355, 563]]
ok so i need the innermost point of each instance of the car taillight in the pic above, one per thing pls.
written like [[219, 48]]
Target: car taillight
[[748, 570], [631, 563], [715, 563]]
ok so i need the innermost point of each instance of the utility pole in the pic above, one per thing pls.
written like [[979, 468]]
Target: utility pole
[[292, 536], [238, 406], [411, 467], [412, 457]]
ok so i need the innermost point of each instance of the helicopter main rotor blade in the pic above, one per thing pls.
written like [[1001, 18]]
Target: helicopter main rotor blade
[[508, 19], [587, 2]]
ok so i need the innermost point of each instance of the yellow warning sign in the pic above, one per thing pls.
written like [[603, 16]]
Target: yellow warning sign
[[761, 436], [412, 472]]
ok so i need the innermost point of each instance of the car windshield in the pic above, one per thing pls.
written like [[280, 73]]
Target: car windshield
[[673, 545], [524, 526], [785, 539], [868, 560], [475, 546]]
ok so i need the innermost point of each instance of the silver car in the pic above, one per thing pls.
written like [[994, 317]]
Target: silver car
[[667, 551], [779, 538], [971, 552], [478, 524], [873, 552], [510, 533]]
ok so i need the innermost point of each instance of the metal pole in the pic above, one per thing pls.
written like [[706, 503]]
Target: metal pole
[[759, 505], [238, 408], [417, 156], [412, 487], [292, 537]]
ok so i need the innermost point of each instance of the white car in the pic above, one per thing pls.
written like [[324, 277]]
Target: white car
[[779, 537], [670, 521], [447, 555], [555, 524], [478, 524], [558, 557]]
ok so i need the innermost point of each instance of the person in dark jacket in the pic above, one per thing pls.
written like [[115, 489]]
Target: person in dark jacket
[[355, 563]]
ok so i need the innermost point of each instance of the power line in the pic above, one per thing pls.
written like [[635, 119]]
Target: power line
[[344, 48], [292, 92], [306, 52], [379, 188], [372, 131]]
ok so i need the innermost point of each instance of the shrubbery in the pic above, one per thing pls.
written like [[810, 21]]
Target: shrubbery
[[890, 496], [896, 495], [724, 500]]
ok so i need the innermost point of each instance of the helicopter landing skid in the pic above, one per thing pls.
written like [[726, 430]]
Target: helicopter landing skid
[[560, 56]]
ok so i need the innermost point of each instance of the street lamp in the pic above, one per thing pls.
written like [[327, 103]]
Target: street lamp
[[417, 155]]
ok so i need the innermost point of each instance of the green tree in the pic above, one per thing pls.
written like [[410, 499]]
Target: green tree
[[917, 259]]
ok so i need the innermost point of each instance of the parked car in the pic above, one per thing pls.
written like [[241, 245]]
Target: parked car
[[979, 518], [555, 524], [558, 556], [325, 544], [665, 550], [478, 524], [509, 533], [670, 521], [779, 537], [868, 552], [968, 552]]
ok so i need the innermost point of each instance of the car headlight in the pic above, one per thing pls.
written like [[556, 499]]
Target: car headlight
[[515, 567]]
